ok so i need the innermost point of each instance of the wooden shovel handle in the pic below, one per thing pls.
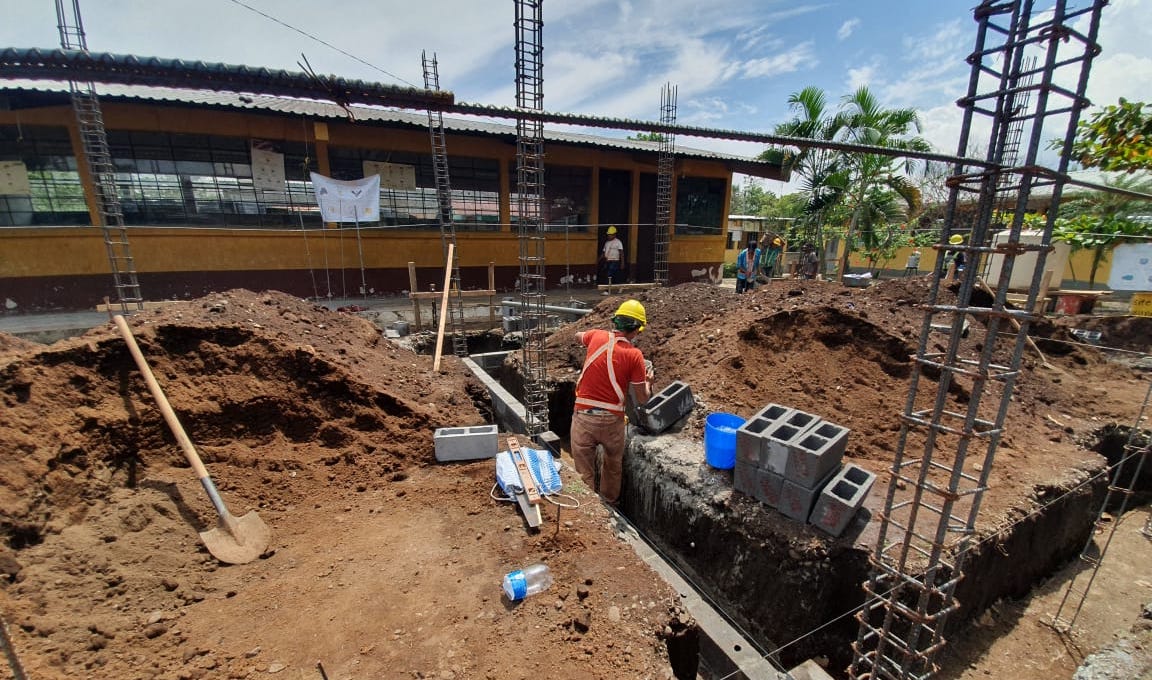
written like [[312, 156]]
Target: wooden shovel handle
[[161, 400]]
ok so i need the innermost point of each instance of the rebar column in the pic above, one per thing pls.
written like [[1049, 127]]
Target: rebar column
[[946, 449], [529, 213], [666, 166], [444, 208], [98, 163]]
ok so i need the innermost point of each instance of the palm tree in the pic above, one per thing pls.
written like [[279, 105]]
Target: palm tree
[[860, 187], [817, 168], [875, 180]]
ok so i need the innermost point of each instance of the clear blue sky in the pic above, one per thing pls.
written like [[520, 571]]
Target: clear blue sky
[[735, 61]]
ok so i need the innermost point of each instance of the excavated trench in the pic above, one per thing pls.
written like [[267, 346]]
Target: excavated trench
[[791, 587]]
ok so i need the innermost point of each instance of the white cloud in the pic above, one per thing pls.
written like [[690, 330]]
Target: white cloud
[[847, 29], [861, 76], [802, 55]]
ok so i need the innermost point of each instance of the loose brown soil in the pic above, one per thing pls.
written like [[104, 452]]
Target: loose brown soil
[[386, 564]]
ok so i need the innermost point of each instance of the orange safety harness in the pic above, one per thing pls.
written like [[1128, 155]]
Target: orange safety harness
[[608, 348]]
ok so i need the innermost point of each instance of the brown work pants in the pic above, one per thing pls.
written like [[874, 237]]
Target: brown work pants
[[607, 430]]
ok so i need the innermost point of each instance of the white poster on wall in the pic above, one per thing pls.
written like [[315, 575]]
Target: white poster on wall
[[14, 179], [356, 200], [1131, 267], [392, 175], [267, 166]]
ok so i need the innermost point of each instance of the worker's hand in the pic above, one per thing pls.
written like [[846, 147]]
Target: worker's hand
[[649, 372]]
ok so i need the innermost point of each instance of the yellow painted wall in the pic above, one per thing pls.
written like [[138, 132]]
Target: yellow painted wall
[[1077, 270], [80, 250]]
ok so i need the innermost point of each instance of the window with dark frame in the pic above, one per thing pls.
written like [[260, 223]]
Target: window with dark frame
[[700, 205]]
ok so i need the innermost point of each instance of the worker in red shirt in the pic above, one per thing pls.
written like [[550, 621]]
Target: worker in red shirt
[[612, 368]]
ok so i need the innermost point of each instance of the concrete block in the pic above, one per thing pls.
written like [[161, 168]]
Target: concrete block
[[773, 412], [666, 407], [751, 446], [811, 456], [466, 443], [778, 445], [801, 420], [768, 488], [841, 498], [833, 432], [796, 501], [744, 478]]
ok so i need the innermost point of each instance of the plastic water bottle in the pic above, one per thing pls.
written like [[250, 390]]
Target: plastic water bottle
[[530, 580]]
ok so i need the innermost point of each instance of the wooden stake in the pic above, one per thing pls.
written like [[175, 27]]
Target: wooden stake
[[1016, 324], [444, 306], [415, 302]]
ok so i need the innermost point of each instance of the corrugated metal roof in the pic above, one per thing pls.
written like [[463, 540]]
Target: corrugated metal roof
[[319, 109]]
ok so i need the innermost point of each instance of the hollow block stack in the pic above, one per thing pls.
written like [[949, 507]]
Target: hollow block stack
[[790, 460]]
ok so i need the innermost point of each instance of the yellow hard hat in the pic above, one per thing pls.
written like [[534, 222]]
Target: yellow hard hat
[[632, 309], [956, 239], [611, 230]]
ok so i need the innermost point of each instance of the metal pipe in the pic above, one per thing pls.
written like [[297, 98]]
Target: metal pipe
[[549, 308]]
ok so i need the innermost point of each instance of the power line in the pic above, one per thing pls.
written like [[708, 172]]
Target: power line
[[324, 42]]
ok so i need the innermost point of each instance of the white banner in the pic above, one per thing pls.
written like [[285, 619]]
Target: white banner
[[356, 200]]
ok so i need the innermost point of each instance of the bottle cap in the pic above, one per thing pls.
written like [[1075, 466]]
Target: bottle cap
[[515, 585]]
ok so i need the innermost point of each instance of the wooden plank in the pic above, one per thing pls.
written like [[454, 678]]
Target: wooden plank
[[444, 306], [1045, 281], [115, 307], [492, 297], [627, 286], [1016, 324], [415, 301], [526, 479]]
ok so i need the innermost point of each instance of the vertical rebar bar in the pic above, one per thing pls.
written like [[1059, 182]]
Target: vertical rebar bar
[[529, 25], [665, 173]]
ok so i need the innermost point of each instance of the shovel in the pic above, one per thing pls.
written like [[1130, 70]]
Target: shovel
[[233, 541]]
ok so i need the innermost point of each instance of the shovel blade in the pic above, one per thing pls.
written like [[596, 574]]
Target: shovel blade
[[239, 541]]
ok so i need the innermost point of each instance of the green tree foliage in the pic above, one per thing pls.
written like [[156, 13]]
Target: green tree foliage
[[1118, 138], [647, 137], [750, 198], [1099, 220]]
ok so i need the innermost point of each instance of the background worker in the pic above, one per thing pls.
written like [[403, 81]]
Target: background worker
[[913, 266], [770, 256], [611, 255], [809, 262], [747, 264], [612, 369]]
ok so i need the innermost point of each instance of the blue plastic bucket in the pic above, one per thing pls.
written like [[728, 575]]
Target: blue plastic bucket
[[720, 440]]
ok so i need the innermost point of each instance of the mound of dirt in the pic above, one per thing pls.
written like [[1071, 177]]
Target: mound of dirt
[[384, 563]]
